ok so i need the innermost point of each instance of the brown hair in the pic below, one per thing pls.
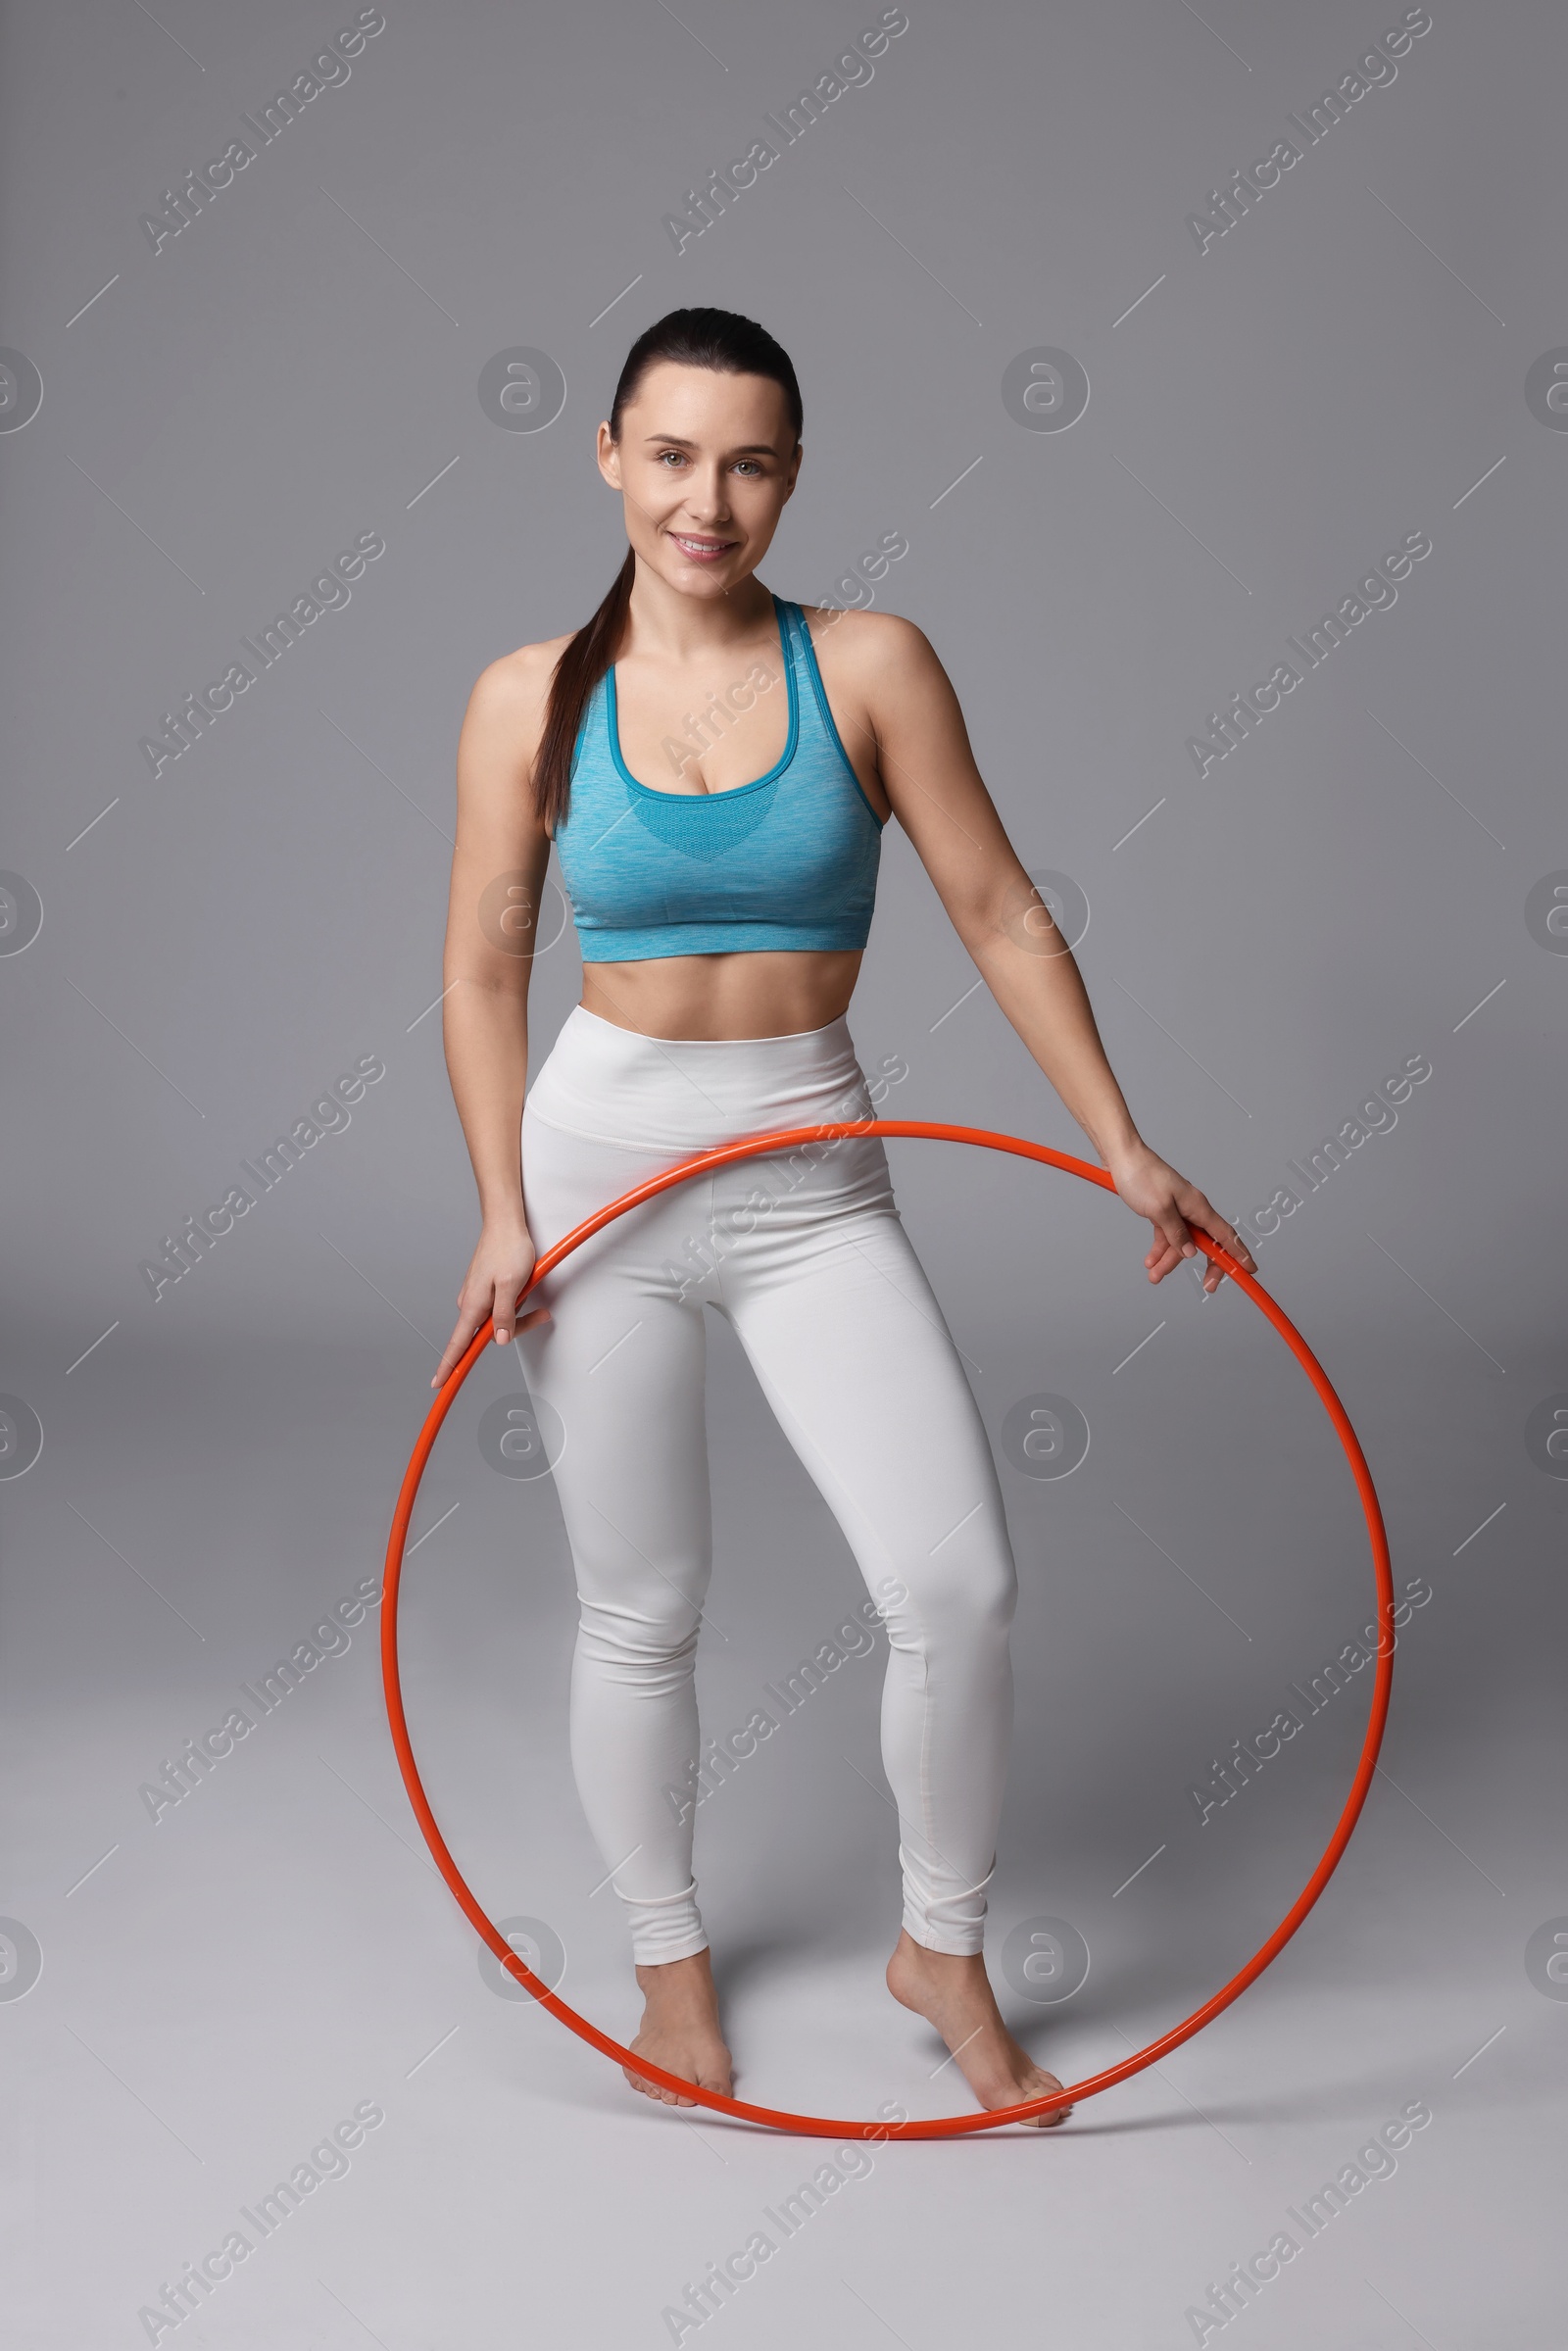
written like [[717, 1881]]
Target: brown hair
[[730, 345]]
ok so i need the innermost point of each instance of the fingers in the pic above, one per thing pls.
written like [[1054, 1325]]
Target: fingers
[[1162, 1259], [1172, 1243], [504, 1325], [1228, 1238], [454, 1349], [1174, 1208], [507, 1321], [457, 1345], [1216, 1226]]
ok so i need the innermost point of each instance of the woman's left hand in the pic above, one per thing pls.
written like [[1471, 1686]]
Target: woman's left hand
[[1173, 1206]]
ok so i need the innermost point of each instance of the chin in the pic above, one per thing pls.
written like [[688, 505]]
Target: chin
[[700, 580]]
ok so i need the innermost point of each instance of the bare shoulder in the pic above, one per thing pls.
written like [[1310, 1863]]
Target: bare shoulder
[[866, 640], [510, 694], [876, 662], [503, 727]]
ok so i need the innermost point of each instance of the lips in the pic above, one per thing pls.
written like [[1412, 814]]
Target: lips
[[702, 551]]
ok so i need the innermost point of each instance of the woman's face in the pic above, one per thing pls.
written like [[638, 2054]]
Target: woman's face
[[705, 462]]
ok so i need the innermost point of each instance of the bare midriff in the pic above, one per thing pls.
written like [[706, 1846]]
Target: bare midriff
[[764, 993]]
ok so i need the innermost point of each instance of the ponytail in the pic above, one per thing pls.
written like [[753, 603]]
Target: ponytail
[[730, 345], [580, 667]]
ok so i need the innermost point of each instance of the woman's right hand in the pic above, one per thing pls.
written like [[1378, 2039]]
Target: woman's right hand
[[497, 1271]]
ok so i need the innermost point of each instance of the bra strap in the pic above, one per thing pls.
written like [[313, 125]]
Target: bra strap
[[793, 622]]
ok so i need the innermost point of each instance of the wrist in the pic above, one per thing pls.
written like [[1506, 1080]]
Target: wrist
[[1122, 1149]]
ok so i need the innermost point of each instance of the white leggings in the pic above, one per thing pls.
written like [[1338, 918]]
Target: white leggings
[[805, 1256]]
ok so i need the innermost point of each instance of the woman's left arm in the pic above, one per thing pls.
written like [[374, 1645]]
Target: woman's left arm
[[937, 793]]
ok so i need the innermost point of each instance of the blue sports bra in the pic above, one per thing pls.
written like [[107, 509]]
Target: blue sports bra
[[787, 862]]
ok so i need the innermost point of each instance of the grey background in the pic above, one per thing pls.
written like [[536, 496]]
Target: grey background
[[1344, 367]]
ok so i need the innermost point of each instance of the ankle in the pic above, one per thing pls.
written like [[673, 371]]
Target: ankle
[[954, 1964], [691, 1977]]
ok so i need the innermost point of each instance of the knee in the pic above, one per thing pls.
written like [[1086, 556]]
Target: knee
[[989, 1590], [972, 1596], [642, 1633], [638, 1604]]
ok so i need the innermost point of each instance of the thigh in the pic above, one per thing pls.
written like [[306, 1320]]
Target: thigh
[[618, 1371], [853, 1354]]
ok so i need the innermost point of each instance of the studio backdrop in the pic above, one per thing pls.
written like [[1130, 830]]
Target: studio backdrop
[[1198, 380]]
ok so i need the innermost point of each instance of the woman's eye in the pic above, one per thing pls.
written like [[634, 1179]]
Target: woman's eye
[[749, 463]]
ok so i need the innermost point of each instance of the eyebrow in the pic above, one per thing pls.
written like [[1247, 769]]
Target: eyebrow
[[673, 440]]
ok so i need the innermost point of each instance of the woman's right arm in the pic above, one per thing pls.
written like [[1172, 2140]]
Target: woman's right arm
[[498, 875]]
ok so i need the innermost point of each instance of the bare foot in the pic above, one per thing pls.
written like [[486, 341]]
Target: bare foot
[[955, 1995], [680, 2028]]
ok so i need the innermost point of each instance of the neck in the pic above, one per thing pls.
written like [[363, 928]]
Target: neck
[[666, 625]]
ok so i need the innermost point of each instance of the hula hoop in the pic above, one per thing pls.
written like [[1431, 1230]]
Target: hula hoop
[[946, 2126]]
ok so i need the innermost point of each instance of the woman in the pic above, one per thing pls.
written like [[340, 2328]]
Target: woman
[[715, 768]]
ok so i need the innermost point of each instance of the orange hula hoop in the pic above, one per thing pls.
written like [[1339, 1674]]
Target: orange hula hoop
[[945, 2126]]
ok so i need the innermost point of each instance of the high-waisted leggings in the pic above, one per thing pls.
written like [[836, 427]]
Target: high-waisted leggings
[[805, 1256]]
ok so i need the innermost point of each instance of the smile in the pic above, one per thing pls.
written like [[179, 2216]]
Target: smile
[[702, 551]]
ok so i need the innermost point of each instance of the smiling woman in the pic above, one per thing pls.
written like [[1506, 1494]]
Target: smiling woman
[[720, 842]]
